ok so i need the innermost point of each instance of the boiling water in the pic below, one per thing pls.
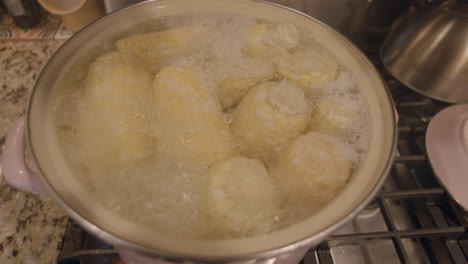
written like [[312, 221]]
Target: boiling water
[[155, 189]]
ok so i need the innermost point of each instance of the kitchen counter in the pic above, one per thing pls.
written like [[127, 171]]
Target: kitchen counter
[[31, 226]]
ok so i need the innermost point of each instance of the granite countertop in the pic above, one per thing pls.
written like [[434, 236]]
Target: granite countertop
[[31, 226]]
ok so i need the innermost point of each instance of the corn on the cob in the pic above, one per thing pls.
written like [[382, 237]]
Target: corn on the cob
[[334, 116], [312, 168], [158, 47], [115, 119], [232, 89], [189, 124], [234, 199], [307, 67], [272, 39], [268, 116]]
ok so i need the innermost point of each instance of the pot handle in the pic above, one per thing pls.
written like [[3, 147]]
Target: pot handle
[[14, 168]]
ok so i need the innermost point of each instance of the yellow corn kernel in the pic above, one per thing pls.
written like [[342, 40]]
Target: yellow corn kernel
[[189, 124], [308, 67], [234, 199], [116, 120], [268, 116], [231, 90], [334, 116], [269, 40], [312, 169], [158, 47]]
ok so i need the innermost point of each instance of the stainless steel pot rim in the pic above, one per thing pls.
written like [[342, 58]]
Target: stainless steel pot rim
[[288, 247]]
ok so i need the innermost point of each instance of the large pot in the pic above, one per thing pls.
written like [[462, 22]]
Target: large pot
[[138, 244]]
